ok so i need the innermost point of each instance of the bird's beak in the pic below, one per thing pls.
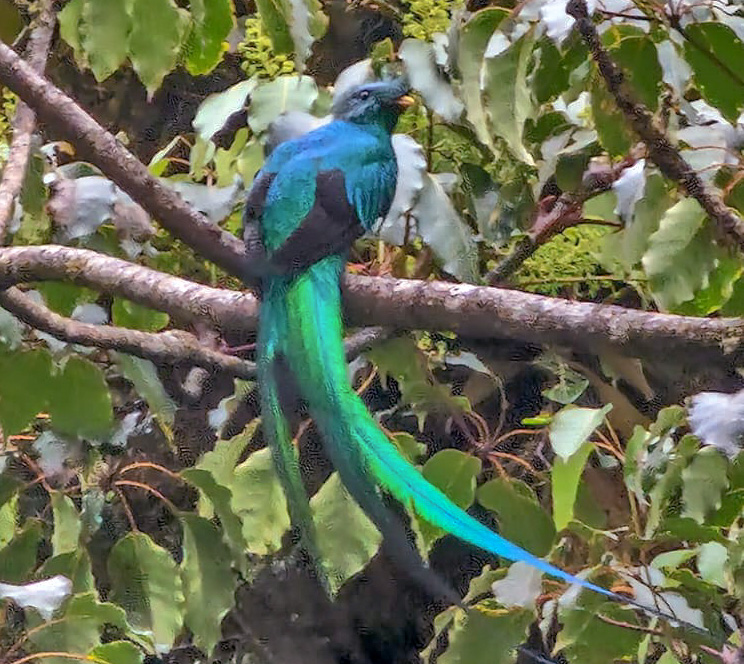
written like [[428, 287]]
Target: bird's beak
[[404, 102]]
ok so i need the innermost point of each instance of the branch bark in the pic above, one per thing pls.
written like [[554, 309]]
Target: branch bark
[[469, 310], [101, 148], [564, 213], [729, 224], [169, 347], [472, 311], [165, 348], [24, 121]]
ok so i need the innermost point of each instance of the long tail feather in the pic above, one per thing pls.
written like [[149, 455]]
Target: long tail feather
[[284, 455], [313, 342]]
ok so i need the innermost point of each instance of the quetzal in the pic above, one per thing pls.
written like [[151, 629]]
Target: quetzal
[[313, 197]]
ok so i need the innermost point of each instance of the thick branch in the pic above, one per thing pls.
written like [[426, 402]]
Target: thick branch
[[24, 122], [472, 311], [475, 311], [185, 301], [168, 348], [479, 311], [102, 149], [671, 163]]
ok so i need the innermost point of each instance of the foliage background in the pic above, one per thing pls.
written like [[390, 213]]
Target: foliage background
[[139, 496]]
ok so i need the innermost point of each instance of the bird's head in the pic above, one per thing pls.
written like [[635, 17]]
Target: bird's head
[[379, 102]]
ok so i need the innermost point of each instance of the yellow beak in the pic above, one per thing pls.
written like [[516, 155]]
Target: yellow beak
[[405, 101]]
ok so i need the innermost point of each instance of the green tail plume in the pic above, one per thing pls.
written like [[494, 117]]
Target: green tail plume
[[307, 330]]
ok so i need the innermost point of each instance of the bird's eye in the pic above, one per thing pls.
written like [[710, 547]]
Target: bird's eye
[[364, 94]]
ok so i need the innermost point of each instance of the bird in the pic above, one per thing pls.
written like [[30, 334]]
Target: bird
[[313, 197]]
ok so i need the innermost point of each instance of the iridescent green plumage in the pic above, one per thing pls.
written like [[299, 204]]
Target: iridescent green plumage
[[313, 197]]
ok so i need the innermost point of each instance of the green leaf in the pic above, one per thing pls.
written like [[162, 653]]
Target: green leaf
[[408, 446], [680, 254], [569, 171], [145, 582], [551, 74], [712, 49], [258, 500], [217, 108], [515, 505], [286, 93], [105, 33], [69, 27], [158, 31], [222, 459], [474, 38], [144, 376], [402, 359], [220, 503], [711, 563], [644, 81], [673, 559], [486, 636], [213, 21], [80, 401], [453, 472], [509, 95], [8, 520], [18, 557], [570, 384], [669, 482], [249, 161], [572, 426], [24, 389], [132, 315], [565, 478], [703, 482], [349, 539], [79, 627], [275, 24], [720, 288], [635, 451], [442, 229], [631, 243], [63, 297], [117, 652], [612, 129], [208, 581], [75, 565], [419, 59], [11, 21], [587, 639], [66, 524]]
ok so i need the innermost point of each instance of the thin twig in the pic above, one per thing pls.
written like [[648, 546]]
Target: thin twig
[[127, 509], [149, 489], [729, 224], [627, 625], [64, 655], [154, 466]]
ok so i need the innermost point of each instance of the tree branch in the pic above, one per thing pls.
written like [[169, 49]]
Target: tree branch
[[185, 301], [481, 311], [550, 220], [102, 149], [474, 311], [729, 225], [469, 310], [168, 348], [24, 121]]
